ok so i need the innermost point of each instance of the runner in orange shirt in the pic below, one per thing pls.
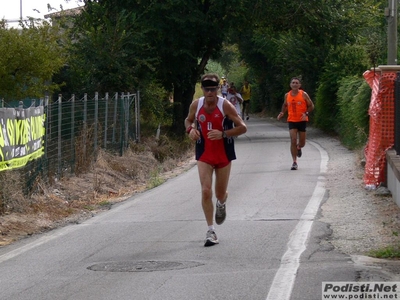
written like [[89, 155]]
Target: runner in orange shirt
[[298, 104], [213, 122]]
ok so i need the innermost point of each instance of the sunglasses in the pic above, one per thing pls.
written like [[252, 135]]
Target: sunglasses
[[210, 89]]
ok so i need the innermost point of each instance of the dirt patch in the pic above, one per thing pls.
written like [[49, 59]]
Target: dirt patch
[[112, 179]]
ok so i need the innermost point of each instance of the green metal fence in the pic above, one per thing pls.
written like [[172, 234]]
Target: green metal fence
[[75, 129]]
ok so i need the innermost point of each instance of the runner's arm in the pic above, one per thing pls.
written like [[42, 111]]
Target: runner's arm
[[284, 108], [191, 129], [310, 104], [231, 112]]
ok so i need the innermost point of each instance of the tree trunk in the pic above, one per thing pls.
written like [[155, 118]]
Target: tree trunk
[[182, 100], [183, 96]]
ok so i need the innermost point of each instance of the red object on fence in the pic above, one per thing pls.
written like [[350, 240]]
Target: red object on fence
[[381, 125]]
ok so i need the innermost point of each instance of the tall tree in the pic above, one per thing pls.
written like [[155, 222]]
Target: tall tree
[[29, 58], [110, 50], [296, 38], [173, 39]]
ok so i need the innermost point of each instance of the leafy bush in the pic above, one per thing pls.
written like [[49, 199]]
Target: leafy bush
[[156, 105], [353, 121], [325, 106], [342, 62]]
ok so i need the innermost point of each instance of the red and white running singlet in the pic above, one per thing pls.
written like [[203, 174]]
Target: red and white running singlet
[[217, 153]]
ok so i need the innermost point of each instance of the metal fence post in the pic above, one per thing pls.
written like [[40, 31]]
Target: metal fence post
[[121, 138], [126, 117], [106, 121], [96, 120], [59, 133], [115, 119], [84, 124], [46, 136], [73, 134], [137, 116]]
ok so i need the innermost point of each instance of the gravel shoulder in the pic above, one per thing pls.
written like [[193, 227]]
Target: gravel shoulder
[[361, 220]]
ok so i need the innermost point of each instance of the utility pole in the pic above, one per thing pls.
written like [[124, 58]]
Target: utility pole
[[20, 9], [391, 16]]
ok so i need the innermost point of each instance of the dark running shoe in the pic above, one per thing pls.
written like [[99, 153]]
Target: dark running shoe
[[294, 166], [220, 213], [299, 153], [247, 117], [211, 239]]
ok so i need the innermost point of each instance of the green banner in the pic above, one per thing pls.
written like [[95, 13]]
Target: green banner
[[21, 136]]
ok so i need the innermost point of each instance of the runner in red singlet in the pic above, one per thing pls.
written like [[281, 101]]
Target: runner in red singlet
[[298, 104], [212, 122]]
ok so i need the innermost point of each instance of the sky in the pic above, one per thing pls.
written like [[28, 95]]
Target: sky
[[11, 9]]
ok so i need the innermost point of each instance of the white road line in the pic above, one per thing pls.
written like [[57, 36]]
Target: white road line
[[284, 279]]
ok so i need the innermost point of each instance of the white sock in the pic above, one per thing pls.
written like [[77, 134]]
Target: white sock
[[211, 227], [219, 203]]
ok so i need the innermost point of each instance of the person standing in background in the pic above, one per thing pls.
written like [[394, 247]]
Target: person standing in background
[[245, 91], [224, 88], [298, 105]]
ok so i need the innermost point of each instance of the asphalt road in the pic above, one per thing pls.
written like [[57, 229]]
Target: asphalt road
[[151, 246]]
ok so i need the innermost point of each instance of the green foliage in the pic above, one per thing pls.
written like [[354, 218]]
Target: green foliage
[[237, 74], [155, 179], [119, 45], [387, 252], [162, 47], [110, 52], [237, 70], [29, 58], [344, 61], [229, 56], [301, 38], [198, 91], [352, 122], [215, 67], [325, 105], [375, 44], [299, 58], [257, 54], [156, 104]]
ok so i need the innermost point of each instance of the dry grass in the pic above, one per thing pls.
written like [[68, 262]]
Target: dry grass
[[109, 179], [11, 195]]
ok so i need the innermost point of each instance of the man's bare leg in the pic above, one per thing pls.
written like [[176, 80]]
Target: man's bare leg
[[293, 144], [221, 182], [205, 175]]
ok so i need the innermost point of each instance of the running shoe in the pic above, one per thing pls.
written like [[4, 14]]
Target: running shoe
[[247, 117], [299, 153], [211, 239], [294, 166], [220, 213]]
